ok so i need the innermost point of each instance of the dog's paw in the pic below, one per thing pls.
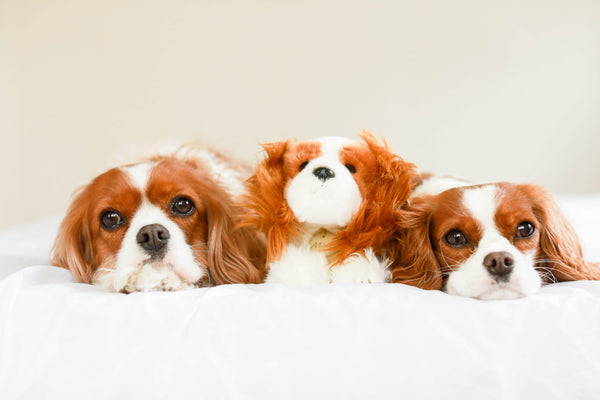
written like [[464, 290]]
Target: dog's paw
[[360, 269], [149, 279], [299, 266]]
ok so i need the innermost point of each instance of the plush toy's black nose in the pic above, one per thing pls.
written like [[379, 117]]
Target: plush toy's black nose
[[499, 263], [323, 173], [153, 237]]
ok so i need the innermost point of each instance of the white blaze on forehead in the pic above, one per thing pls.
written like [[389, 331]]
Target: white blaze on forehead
[[481, 202], [438, 184], [139, 174], [331, 145]]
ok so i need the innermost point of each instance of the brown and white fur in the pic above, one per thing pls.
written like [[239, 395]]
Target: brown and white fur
[[493, 241], [166, 222], [348, 191]]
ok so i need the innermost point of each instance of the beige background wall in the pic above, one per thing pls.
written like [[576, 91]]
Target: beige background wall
[[486, 90]]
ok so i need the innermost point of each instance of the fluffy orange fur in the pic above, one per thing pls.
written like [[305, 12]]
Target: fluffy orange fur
[[559, 250], [266, 198], [415, 263], [384, 180], [385, 189]]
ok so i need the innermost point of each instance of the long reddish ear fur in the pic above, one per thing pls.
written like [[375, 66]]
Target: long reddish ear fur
[[72, 249], [560, 249], [265, 196], [416, 263], [235, 254], [374, 225]]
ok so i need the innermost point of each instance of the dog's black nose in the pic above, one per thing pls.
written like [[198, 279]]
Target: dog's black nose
[[499, 263], [153, 237], [323, 173]]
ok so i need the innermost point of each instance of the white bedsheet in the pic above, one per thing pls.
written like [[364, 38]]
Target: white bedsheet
[[61, 339]]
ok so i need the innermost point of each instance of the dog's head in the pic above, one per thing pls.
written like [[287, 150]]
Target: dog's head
[[495, 241], [352, 188], [161, 224]]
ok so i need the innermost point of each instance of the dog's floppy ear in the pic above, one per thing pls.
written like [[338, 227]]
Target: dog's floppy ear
[[560, 249], [72, 247], [235, 254], [265, 198], [387, 188], [415, 263]]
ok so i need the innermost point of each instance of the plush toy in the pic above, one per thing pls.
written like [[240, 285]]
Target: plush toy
[[329, 208]]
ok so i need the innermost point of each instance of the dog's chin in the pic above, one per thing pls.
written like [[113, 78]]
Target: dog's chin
[[492, 290], [522, 285], [189, 271], [497, 292]]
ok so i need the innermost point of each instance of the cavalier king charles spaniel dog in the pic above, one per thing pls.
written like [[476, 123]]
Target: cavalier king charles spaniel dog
[[493, 241], [167, 222], [329, 208]]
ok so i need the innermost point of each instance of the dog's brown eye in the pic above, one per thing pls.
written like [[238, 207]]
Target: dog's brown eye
[[525, 229], [111, 219], [456, 238], [182, 206], [351, 168], [303, 165]]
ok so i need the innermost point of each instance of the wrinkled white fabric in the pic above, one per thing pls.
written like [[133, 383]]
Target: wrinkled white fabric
[[63, 339]]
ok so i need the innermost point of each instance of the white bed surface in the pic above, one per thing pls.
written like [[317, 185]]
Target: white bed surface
[[61, 339], [71, 340]]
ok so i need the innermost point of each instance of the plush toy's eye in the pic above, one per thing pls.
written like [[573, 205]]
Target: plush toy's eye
[[351, 168], [525, 229], [111, 219], [182, 206], [456, 238], [303, 165]]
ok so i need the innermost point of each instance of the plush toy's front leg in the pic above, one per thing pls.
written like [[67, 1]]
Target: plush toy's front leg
[[299, 266], [359, 269]]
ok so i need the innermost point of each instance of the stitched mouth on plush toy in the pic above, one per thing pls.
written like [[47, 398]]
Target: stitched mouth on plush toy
[[322, 193]]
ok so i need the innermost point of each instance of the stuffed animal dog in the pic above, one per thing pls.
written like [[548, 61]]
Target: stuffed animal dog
[[329, 208]]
